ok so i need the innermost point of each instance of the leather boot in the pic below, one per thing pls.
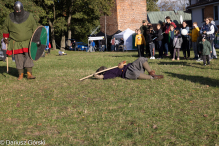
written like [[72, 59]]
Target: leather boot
[[158, 76], [29, 76], [20, 77]]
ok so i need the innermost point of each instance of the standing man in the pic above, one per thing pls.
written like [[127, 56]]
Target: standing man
[[103, 44], [18, 28], [166, 34], [143, 29]]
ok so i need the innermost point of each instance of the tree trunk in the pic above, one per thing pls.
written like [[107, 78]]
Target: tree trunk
[[69, 22], [53, 38], [63, 42], [69, 30]]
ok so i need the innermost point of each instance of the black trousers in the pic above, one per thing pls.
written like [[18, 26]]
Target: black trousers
[[4, 53], [171, 49], [141, 50], [186, 47], [147, 49], [204, 58]]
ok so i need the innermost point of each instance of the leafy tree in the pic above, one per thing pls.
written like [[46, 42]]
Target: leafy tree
[[152, 5], [6, 7], [180, 5], [77, 17]]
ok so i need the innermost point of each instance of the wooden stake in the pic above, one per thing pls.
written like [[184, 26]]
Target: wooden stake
[[99, 72], [7, 58]]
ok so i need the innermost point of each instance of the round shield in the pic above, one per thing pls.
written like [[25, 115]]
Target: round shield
[[38, 43]]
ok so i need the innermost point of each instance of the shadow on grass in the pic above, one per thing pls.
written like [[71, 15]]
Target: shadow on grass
[[174, 63], [195, 65], [124, 56], [196, 79], [12, 71]]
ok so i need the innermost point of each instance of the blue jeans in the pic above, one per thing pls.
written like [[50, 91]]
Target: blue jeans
[[103, 48], [112, 47], [166, 44], [195, 49], [160, 48]]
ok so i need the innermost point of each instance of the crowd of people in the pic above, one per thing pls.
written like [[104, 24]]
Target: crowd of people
[[168, 38]]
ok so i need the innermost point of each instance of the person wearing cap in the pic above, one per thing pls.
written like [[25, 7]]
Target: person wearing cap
[[19, 27], [205, 49], [166, 34], [143, 29]]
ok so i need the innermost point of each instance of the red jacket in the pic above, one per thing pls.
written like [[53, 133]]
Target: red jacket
[[167, 27]]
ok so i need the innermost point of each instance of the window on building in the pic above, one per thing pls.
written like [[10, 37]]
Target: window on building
[[215, 12], [203, 15]]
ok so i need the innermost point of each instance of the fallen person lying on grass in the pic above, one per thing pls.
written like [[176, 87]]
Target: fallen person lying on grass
[[134, 70]]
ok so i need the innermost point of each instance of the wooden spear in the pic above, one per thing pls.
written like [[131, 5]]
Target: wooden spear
[[100, 72], [7, 58]]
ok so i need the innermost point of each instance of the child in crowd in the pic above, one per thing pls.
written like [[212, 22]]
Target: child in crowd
[[170, 39], [205, 49], [195, 35], [159, 39], [136, 32], [151, 43], [177, 42], [140, 43]]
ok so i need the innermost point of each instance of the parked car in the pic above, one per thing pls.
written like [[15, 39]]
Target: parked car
[[82, 46]]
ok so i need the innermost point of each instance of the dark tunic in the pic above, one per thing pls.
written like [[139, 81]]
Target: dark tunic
[[116, 72], [130, 71]]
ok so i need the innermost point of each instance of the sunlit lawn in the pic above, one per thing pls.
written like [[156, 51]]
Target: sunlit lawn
[[181, 109]]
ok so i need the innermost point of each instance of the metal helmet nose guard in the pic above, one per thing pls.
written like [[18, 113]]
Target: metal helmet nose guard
[[18, 6]]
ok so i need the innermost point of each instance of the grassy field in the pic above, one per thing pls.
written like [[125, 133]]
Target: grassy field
[[181, 109]]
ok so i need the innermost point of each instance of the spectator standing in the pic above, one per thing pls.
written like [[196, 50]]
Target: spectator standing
[[185, 44], [177, 42], [112, 44], [143, 30], [103, 44], [194, 35], [136, 32], [205, 49], [91, 47], [166, 34], [159, 39], [100, 45], [117, 45], [170, 39], [151, 43], [49, 48], [207, 30], [3, 49], [214, 54], [140, 42]]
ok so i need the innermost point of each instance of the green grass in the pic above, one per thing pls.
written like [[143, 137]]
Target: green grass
[[181, 109]]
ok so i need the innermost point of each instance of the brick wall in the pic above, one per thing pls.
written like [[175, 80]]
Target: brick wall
[[111, 22], [209, 11], [125, 14]]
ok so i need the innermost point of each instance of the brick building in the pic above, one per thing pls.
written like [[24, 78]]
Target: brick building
[[125, 14]]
